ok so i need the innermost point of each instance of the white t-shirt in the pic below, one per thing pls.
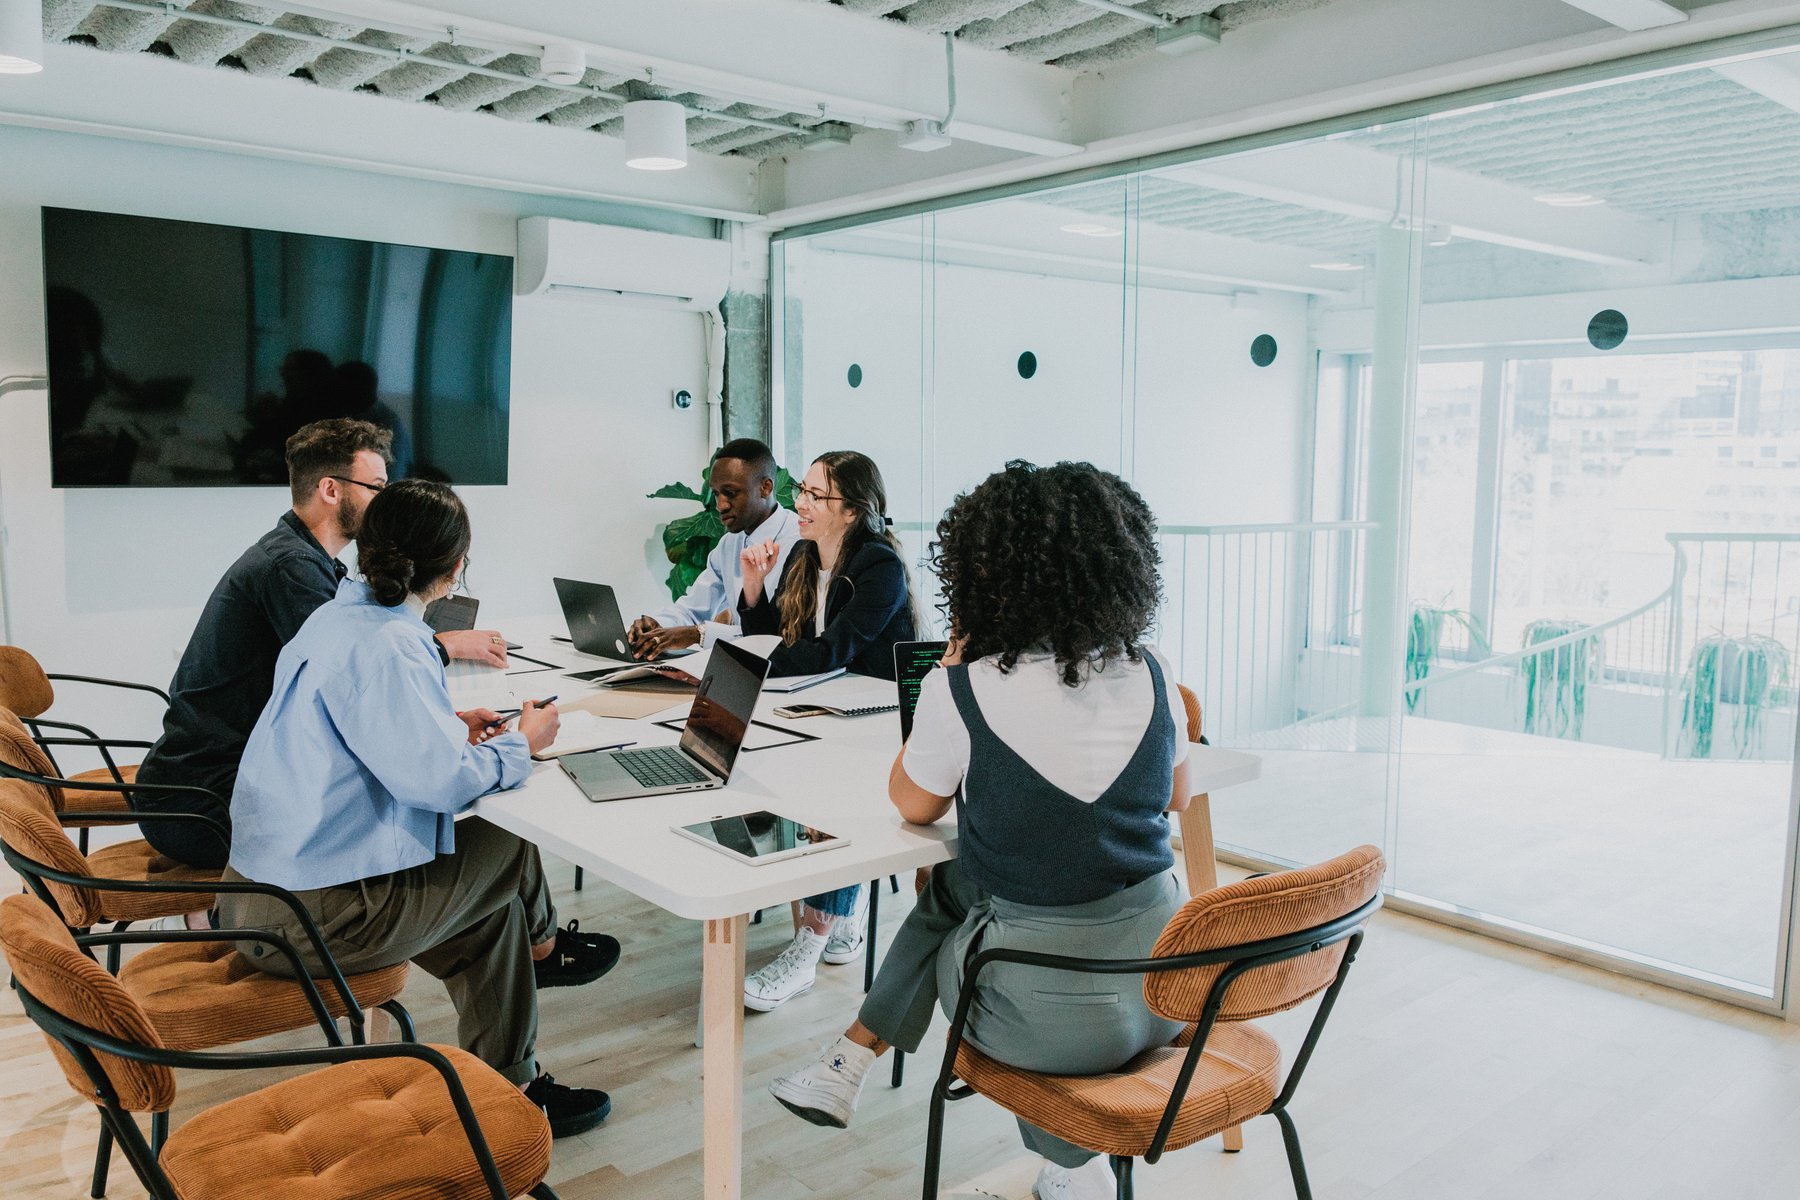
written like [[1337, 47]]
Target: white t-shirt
[[1078, 739], [819, 618]]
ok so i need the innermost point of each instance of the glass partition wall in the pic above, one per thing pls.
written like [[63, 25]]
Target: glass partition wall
[[1474, 439]]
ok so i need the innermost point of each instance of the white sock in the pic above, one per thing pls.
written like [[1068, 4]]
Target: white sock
[[812, 943]]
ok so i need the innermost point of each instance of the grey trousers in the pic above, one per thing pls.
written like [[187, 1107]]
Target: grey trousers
[[1057, 1022], [468, 918]]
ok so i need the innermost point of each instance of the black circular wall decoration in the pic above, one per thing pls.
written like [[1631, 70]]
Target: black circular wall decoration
[[1608, 329], [855, 375], [1262, 350], [1027, 365]]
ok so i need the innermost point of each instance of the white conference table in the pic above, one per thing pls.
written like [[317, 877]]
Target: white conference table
[[837, 783]]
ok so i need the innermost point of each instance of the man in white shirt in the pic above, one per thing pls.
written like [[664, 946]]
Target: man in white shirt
[[743, 487]]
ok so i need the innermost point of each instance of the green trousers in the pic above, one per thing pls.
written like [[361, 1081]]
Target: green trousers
[[468, 918]]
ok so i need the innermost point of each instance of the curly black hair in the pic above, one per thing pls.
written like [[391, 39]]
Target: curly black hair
[[1060, 558]]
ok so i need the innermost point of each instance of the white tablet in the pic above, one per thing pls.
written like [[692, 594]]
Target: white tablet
[[759, 837]]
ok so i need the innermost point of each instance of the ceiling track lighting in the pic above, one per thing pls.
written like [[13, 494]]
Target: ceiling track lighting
[[655, 135], [21, 37]]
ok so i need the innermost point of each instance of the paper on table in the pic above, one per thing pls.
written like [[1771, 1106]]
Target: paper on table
[[476, 685], [585, 731], [758, 737], [609, 702]]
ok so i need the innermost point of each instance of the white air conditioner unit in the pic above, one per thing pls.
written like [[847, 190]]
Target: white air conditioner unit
[[611, 264]]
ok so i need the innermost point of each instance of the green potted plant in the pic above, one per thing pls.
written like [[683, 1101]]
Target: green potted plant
[[1744, 671], [1424, 638], [1556, 680], [688, 540]]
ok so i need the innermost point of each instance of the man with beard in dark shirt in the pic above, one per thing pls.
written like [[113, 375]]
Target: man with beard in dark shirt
[[228, 670]]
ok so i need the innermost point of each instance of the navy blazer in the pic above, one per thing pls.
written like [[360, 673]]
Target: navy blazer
[[866, 615]]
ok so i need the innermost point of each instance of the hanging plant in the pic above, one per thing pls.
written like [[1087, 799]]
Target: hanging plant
[[1556, 680], [1744, 671], [688, 540], [1424, 639]]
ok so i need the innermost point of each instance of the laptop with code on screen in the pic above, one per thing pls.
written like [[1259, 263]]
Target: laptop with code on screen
[[913, 661]]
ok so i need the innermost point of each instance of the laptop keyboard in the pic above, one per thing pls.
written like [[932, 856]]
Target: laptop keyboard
[[661, 766]]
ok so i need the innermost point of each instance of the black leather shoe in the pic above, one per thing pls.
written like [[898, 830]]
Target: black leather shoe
[[577, 958], [570, 1110]]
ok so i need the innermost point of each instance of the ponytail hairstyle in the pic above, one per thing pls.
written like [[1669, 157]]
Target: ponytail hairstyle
[[857, 480], [413, 535]]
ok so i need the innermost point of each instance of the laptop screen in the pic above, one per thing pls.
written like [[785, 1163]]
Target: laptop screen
[[913, 661], [723, 706]]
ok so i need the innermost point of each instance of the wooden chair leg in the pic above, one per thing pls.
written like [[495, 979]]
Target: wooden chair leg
[[796, 908], [1233, 1138]]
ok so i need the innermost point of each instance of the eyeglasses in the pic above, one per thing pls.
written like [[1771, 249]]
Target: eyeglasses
[[811, 497], [373, 487]]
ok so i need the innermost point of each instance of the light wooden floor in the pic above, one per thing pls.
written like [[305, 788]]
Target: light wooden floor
[[1456, 1069]]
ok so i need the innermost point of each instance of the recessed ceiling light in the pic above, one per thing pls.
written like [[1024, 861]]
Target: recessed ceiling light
[[1569, 199], [1091, 229], [1336, 265]]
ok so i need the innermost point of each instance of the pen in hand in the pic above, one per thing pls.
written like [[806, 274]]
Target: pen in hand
[[506, 717]]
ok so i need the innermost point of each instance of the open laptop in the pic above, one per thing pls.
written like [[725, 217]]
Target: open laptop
[[716, 725], [596, 625], [913, 661]]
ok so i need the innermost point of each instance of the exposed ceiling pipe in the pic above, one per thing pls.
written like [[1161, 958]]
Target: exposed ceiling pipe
[[1137, 14], [449, 34]]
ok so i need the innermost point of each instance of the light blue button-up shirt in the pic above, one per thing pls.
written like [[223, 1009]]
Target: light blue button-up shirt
[[718, 587], [359, 761]]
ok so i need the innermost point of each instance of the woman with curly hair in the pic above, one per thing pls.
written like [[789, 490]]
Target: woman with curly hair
[[1054, 731], [844, 601]]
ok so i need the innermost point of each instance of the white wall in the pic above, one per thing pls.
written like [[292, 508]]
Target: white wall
[[110, 582]]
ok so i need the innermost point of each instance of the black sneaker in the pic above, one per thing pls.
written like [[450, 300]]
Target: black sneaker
[[570, 1110], [577, 958]]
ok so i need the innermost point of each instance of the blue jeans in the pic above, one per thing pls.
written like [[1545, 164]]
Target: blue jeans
[[840, 903]]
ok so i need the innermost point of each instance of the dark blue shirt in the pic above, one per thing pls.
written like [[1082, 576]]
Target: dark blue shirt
[[866, 615], [228, 669]]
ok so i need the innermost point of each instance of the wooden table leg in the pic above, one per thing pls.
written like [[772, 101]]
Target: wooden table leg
[[1203, 876], [722, 1058]]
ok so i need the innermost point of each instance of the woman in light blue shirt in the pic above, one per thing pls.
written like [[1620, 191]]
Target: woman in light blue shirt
[[349, 788]]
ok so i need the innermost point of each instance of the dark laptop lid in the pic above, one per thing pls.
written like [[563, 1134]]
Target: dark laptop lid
[[913, 661], [448, 614], [595, 626], [723, 706]]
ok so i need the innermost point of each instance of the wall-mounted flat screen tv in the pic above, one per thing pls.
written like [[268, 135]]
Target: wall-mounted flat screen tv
[[183, 354]]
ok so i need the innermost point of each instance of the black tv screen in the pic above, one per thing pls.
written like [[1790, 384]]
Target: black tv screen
[[183, 354]]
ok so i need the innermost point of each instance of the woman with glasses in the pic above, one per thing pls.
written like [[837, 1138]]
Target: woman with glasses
[[843, 600]]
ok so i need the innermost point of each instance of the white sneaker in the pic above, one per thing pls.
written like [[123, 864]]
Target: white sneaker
[[825, 1090], [175, 924], [791, 974], [1093, 1180], [848, 933]]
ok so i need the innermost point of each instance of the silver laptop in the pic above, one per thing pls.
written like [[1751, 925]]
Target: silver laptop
[[596, 626], [716, 725]]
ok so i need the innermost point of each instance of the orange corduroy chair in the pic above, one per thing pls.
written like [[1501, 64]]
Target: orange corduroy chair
[[195, 988], [1229, 956], [385, 1121], [29, 691]]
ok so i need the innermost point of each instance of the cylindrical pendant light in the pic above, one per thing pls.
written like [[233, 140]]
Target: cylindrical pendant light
[[21, 37], [655, 135]]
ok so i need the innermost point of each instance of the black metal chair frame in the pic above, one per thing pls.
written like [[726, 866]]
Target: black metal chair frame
[[37, 724], [1237, 960], [82, 1041], [36, 873], [128, 790]]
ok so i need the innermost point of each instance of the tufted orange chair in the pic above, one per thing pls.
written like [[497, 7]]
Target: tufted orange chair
[[28, 691], [196, 990], [1229, 956], [387, 1121]]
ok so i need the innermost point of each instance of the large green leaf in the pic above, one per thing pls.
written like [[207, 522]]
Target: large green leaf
[[674, 491]]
